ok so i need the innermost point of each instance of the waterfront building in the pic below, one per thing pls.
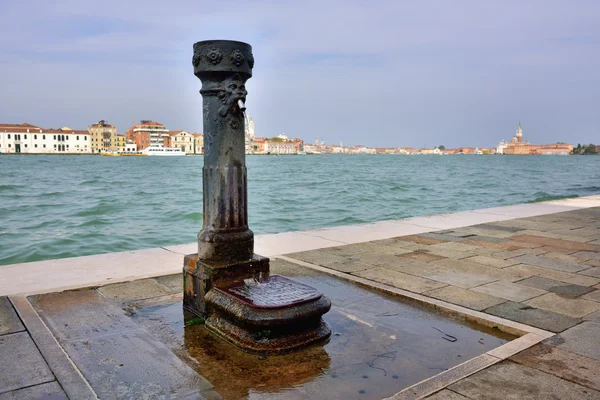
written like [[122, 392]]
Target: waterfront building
[[198, 143], [431, 151], [311, 149], [282, 147], [501, 146], [337, 149], [103, 137], [30, 139], [121, 142], [516, 146], [276, 145], [130, 147], [148, 133], [183, 140]]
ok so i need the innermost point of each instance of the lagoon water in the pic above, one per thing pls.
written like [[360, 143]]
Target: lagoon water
[[65, 206]]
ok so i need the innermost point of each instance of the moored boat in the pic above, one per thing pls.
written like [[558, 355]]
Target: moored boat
[[163, 151]]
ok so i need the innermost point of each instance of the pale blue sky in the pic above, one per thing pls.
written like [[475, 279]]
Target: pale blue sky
[[379, 73]]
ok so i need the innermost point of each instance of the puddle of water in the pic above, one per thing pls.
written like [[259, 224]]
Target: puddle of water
[[378, 347]]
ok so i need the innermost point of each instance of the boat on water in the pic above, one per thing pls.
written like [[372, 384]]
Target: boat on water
[[132, 154], [478, 152], [163, 151], [109, 153], [301, 153], [123, 154]]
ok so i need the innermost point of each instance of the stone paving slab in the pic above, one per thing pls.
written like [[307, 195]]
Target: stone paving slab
[[141, 289], [397, 279], [595, 272], [594, 317], [509, 291], [527, 271], [582, 339], [507, 255], [575, 308], [493, 261], [173, 282], [508, 380], [401, 243], [318, 257], [594, 296], [448, 253], [528, 315], [350, 266], [454, 246], [556, 234], [465, 298], [21, 364], [558, 243], [587, 255], [413, 267], [562, 256], [377, 259], [571, 291], [541, 261], [133, 364], [466, 274], [569, 366], [541, 282], [421, 256], [9, 320], [46, 391], [447, 395], [81, 314]]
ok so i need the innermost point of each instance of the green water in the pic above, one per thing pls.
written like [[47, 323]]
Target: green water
[[65, 206]]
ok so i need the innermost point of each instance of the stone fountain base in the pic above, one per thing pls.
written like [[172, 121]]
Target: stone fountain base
[[255, 311]]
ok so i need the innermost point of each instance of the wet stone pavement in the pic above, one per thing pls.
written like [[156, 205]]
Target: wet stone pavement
[[131, 340]]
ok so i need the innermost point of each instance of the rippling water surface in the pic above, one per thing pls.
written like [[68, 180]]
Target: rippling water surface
[[65, 206]]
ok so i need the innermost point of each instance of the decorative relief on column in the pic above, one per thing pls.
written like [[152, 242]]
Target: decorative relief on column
[[214, 56], [235, 90], [251, 60], [208, 139], [237, 58]]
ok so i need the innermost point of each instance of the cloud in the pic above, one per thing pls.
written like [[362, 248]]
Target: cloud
[[383, 73]]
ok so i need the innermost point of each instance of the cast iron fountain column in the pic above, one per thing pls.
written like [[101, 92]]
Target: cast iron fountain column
[[227, 283], [224, 68]]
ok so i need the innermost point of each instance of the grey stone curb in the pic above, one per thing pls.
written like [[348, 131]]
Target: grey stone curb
[[65, 371]]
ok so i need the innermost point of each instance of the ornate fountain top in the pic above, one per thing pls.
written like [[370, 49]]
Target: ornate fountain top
[[222, 56]]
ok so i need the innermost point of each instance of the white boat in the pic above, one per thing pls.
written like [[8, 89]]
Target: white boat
[[163, 151], [478, 152]]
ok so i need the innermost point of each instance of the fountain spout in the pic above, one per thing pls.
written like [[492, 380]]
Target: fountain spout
[[242, 106]]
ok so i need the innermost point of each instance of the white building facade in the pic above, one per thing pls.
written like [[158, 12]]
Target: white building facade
[[183, 140], [30, 139], [198, 143]]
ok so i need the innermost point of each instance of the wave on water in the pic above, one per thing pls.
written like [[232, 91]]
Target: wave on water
[[94, 222], [585, 189], [10, 187], [543, 196], [51, 194], [100, 209]]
